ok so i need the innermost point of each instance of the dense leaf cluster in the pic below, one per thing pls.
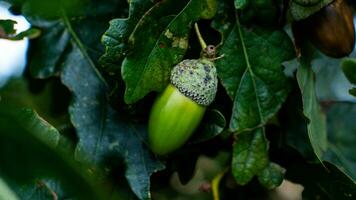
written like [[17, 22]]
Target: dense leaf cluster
[[75, 125]]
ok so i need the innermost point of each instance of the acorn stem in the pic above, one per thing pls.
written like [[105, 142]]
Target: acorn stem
[[217, 58], [201, 40]]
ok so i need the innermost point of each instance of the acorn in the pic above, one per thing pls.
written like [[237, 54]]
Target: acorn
[[331, 29], [178, 111]]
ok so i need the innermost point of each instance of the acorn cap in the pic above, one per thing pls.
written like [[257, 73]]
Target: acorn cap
[[196, 79]]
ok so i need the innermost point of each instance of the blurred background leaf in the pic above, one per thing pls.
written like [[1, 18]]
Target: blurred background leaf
[[322, 181], [294, 129], [78, 23], [7, 27], [341, 134], [112, 135], [6, 192], [71, 42], [349, 68], [26, 155], [8, 31], [316, 119], [212, 125], [331, 82]]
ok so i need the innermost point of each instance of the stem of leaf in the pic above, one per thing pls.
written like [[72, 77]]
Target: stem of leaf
[[201, 40], [216, 182]]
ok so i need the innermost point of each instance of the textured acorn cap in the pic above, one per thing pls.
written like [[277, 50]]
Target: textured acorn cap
[[196, 79]]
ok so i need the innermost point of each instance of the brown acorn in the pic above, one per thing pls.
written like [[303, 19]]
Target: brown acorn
[[331, 29]]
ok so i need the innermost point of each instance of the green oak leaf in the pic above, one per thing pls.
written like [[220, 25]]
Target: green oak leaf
[[349, 68], [44, 189], [212, 125], [27, 152], [240, 4], [58, 38], [20, 101], [70, 48], [29, 33], [115, 39], [224, 19], [250, 155], [7, 27], [311, 109], [40, 127], [158, 42], [60, 33], [6, 192], [262, 12], [105, 136], [341, 134], [271, 176], [331, 83], [32, 122], [299, 12], [47, 52], [255, 83], [51, 189], [352, 91], [49, 9], [295, 128], [8, 31], [49, 102]]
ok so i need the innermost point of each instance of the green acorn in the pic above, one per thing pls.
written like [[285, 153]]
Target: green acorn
[[178, 111]]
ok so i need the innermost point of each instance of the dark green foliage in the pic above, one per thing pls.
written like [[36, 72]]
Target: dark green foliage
[[74, 126]]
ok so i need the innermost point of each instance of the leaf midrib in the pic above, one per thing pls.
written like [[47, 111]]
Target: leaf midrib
[[155, 45], [81, 46], [248, 67]]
